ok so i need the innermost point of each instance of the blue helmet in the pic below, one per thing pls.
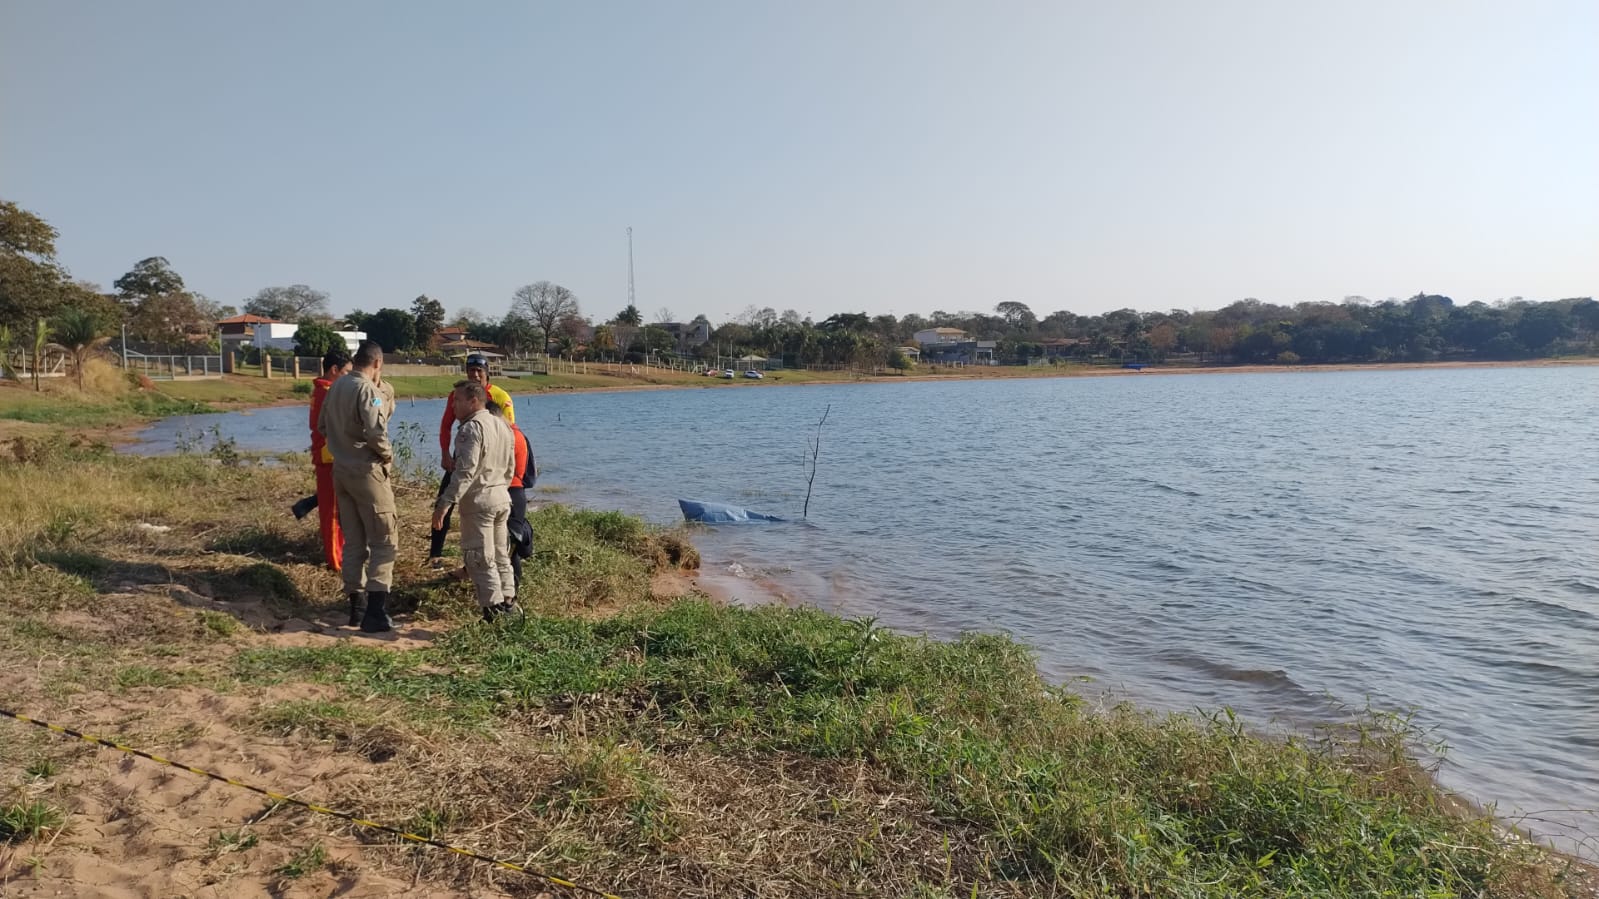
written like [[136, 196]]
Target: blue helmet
[[476, 359]]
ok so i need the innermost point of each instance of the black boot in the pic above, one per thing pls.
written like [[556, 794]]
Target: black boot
[[376, 620], [304, 507], [357, 607]]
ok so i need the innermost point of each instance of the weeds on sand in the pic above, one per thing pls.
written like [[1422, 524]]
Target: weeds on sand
[[24, 821]]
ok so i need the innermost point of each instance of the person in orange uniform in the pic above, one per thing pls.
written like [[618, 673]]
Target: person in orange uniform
[[334, 365], [477, 371]]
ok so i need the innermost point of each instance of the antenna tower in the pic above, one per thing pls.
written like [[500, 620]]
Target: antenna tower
[[630, 265]]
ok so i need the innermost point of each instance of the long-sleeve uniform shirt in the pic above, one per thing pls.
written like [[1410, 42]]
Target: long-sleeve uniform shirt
[[448, 421], [354, 422], [485, 462]]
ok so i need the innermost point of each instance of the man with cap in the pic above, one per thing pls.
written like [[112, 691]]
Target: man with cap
[[355, 423], [477, 372], [485, 460]]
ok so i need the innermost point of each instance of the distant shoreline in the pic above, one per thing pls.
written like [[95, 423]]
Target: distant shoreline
[[971, 373], [117, 423]]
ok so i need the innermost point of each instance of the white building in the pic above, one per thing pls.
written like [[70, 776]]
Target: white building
[[936, 336], [280, 336]]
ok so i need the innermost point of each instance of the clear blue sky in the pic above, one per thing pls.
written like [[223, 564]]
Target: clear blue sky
[[821, 156]]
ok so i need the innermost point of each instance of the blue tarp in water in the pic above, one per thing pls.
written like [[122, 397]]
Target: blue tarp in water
[[719, 513]]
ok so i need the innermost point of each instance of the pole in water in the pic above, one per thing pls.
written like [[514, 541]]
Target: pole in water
[[816, 450]]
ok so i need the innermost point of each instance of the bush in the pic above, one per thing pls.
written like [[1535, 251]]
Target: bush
[[312, 338]]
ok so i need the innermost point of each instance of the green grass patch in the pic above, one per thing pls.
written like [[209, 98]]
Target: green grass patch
[[219, 624], [584, 558], [233, 841], [612, 774], [317, 717], [76, 563], [269, 581], [23, 821], [341, 663], [40, 589], [306, 861], [131, 676], [75, 410], [269, 542], [42, 768]]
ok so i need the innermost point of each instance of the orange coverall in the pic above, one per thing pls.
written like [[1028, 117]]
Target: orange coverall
[[327, 506]]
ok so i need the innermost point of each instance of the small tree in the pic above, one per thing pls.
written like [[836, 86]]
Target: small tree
[[292, 303], [545, 303], [152, 277], [655, 340], [41, 342], [7, 370], [80, 335], [312, 338], [429, 315], [393, 329]]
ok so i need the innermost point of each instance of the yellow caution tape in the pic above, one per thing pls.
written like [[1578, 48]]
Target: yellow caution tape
[[321, 810]]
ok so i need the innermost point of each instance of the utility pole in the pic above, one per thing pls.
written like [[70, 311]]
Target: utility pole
[[630, 265]]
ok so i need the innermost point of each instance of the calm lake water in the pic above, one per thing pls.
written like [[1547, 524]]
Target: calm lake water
[[1422, 540]]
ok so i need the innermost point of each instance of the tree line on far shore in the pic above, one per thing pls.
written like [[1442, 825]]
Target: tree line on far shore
[[41, 303]]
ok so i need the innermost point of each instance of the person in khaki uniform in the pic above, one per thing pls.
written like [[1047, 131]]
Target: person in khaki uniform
[[479, 485], [355, 423]]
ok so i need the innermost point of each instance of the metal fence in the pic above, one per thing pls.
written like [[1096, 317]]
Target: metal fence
[[52, 364], [167, 368]]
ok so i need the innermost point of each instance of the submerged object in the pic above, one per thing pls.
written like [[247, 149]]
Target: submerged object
[[719, 513]]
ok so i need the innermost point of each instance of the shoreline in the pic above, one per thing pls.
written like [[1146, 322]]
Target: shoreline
[[996, 373]]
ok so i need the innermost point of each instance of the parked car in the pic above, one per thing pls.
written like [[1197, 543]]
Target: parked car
[[728, 374], [753, 375]]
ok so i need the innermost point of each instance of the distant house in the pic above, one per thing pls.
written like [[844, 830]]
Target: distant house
[[273, 335], [238, 330], [1060, 347], [446, 335], [967, 352], [687, 335], [460, 347], [954, 345], [939, 336]]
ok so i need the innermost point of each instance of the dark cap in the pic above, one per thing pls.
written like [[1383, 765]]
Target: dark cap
[[476, 359]]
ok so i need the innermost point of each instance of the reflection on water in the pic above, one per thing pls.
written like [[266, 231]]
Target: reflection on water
[[1425, 539]]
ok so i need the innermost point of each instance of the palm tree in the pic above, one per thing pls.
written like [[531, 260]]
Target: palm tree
[[6, 369], [41, 340], [78, 335]]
